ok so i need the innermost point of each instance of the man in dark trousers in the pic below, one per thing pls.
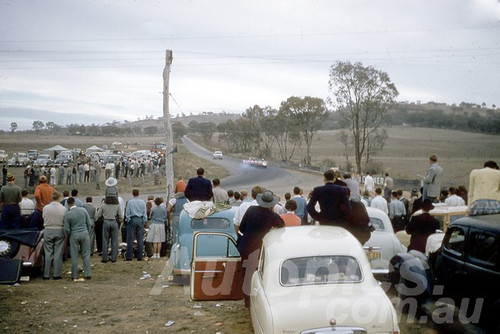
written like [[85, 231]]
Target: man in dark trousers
[[333, 202], [198, 188]]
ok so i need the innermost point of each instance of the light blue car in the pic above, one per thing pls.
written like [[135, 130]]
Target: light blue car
[[181, 253]]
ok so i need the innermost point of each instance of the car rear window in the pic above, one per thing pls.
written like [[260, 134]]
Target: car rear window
[[378, 224], [210, 223], [320, 270]]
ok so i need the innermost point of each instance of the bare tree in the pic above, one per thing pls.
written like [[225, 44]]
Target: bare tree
[[362, 95], [13, 127]]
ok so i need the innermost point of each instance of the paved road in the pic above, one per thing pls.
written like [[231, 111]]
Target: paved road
[[277, 179]]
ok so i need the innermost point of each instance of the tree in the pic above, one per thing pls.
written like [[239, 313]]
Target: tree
[[308, 114], [13, 127], [52, 127], [362, 95], [150, 130], [178, 129], [286, 134], [38, 126]]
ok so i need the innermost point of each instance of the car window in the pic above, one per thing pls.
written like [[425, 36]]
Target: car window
[[485, 248], [455, 240], [262, 260], [210, 223], [216, 245], [378, 224], [320, 270]]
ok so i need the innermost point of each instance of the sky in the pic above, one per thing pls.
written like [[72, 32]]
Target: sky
[[99, 61]]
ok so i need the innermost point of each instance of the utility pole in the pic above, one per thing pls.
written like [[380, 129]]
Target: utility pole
[[169, 166]]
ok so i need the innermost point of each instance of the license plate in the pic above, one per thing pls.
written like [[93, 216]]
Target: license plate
[[373, 255]]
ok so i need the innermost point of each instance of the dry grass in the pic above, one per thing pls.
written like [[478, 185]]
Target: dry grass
[[407, 150]]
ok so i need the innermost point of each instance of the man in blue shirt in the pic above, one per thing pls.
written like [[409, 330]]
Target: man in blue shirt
[[77, 226], [136, 216]]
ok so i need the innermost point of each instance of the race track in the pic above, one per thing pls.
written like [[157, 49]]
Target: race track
[[243, 176]]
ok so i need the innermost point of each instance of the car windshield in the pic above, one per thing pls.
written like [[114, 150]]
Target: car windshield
[[209, 223], [320, 270]]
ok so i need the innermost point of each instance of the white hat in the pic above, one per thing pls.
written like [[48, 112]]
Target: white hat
[[111, 182]]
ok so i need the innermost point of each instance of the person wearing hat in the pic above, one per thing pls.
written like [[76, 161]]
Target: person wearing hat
[[111, 193], [10, 197], [256, 222], [432, 180], [421, 226], [43, 196]]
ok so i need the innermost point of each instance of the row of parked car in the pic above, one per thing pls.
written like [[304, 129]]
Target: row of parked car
[[329, 284], [22, 159]]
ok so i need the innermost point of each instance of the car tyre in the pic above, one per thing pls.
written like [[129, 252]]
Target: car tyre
[[8, 248]]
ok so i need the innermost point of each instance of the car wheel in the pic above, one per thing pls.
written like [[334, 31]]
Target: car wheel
[[8, 248]]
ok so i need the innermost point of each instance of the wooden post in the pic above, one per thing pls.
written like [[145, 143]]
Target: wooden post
[[169, 167]]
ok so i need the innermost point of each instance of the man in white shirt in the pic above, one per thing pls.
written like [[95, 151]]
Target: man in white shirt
[[27, 207], [454, 199], [379, 202], [242, 209], [220, 195], [369, 183]]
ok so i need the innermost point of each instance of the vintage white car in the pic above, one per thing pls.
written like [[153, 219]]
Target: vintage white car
[[323, 286], [218, 155], [3, 156], [383, 244], [19, 159]]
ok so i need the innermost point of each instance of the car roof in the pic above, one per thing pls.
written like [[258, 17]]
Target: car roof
[[486, 222], [185, 219], [301, 241]]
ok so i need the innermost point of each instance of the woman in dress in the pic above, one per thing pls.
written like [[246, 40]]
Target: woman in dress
[[156, 234]]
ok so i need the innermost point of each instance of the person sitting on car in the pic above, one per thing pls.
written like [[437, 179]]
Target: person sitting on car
[[421, 226]]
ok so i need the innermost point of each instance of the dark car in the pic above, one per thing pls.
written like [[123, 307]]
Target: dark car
[[24, 245], [465, 270]]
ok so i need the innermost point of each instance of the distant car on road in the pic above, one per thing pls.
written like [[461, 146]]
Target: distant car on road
[[19, 159], [218, 155], [3, 156], [255, 162], [43, 160]]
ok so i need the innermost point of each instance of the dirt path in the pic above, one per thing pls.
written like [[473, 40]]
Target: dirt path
[[119, 298]]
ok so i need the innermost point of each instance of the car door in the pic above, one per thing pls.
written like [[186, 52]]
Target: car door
[[216, 271], [482, 264], [449, 270]]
